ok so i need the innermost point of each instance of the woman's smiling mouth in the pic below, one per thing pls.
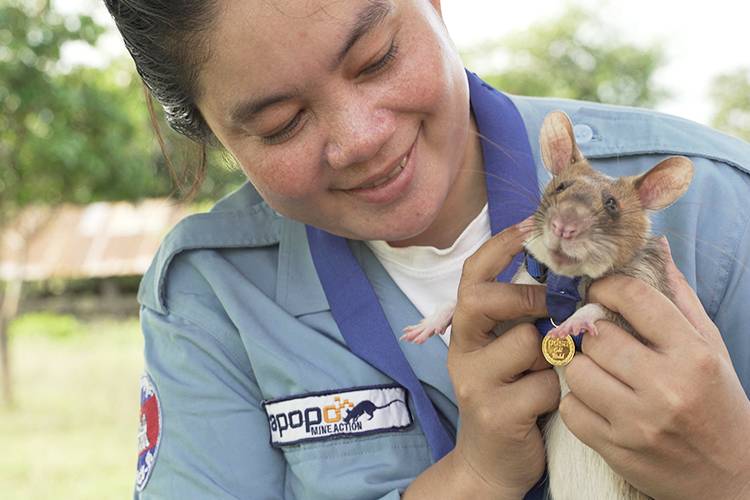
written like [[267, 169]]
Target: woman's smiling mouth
[[385, 179], [387, 187]]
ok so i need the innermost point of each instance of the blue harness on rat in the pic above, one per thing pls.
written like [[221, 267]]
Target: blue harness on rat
[[562, 296], [510, 177]]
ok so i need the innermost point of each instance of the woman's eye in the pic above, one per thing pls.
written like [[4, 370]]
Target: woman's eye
[[285, 133], [383, 62]]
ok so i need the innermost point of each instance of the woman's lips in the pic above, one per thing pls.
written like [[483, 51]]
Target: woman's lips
[[390, 187], [391, 175]]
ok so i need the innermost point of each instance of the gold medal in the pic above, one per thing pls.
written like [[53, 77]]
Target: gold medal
[[558, 352]]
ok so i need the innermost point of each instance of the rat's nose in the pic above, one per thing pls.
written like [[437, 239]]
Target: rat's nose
[[564, 229]]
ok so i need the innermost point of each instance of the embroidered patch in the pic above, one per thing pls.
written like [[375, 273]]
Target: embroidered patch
[[149, 431], [348, 412]]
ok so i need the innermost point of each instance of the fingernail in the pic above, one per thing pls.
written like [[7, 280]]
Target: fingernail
[[526, 225]]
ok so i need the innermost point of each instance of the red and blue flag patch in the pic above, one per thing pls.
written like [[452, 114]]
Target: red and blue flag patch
[[149, 431]]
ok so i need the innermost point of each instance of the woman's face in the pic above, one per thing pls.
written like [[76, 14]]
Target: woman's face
[[350, 115]]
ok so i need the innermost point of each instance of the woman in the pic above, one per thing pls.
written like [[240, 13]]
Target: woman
[[356, 122]]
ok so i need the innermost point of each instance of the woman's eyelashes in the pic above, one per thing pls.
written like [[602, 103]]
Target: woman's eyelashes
[[383, 62], [288, 130]]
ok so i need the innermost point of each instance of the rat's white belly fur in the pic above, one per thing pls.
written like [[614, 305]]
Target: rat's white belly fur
[[576, 472]]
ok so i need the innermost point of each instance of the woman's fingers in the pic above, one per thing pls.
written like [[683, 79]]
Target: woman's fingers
[[536, 393], [587, 425], [643, 307], [483, 302], [518, 348], [619, 353], [493, 256], [482, 306], [596, 388]]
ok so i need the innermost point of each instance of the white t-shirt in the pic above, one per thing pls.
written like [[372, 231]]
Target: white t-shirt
[[429, 276]]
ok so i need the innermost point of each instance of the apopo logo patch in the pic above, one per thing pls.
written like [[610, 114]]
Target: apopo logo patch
[[317, 416]]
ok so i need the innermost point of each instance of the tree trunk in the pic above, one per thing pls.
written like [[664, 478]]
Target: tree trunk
[[11, 300]]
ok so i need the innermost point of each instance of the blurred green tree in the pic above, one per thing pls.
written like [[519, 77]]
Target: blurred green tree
[[78, 134], [577, 56], [730, 94]]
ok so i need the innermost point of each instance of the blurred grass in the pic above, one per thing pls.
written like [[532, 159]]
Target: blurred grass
[[72, 431]]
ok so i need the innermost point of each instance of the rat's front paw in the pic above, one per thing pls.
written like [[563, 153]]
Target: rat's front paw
[[583, 320], [420, 332], [435, 323]]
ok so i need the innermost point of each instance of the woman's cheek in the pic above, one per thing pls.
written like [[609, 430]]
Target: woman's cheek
[[279, 179], [427, 76]]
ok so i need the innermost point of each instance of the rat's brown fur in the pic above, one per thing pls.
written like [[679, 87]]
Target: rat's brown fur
[[611, 234], [612, 244]]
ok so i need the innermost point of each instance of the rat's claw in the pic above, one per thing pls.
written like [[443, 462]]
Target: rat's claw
[[417, 333], [436, 323], [410, 333], [583, 320], [573, 327]]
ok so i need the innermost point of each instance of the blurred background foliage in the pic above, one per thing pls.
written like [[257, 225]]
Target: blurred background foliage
[[82, 133], [730, 95], [576, 56], [79, 134]]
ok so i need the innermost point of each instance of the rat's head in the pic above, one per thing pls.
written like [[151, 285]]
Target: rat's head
[[589, 223]]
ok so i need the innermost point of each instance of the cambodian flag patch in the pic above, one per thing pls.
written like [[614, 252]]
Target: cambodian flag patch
[[149, 431]]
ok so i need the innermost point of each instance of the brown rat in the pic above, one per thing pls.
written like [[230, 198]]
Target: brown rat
[[590, 225]]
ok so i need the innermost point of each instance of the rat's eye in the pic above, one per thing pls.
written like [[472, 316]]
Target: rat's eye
[[610, 204]]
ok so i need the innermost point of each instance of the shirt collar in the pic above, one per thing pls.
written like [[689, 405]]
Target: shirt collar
[[510, 171]]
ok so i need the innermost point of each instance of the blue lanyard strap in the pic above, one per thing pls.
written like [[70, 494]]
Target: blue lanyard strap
[[366, 330], [562, 296]]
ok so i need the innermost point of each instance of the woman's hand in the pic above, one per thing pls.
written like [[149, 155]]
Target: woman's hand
[[670, 417], [502, 384]]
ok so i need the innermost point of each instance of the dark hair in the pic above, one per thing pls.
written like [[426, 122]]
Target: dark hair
[[168, 42]]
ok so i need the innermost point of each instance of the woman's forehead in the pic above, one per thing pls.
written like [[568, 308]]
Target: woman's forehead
[[265, 33], [272, 16], [260, 43]]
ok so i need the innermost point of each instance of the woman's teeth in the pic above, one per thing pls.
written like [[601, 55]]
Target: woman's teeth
[[390, 176]]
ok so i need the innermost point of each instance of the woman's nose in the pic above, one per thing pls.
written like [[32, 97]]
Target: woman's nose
[[356, 134]]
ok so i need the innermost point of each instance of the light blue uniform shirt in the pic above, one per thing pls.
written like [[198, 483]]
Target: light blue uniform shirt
[[233, 314]]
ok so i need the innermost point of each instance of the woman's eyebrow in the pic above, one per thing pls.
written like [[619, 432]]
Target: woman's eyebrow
[[246, 110], [369, 17]]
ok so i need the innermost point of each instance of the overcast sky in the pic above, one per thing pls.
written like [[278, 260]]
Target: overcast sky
[[702, 38]]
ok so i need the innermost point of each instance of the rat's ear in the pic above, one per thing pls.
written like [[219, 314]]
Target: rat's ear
[[665, 183], [558, 143]]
